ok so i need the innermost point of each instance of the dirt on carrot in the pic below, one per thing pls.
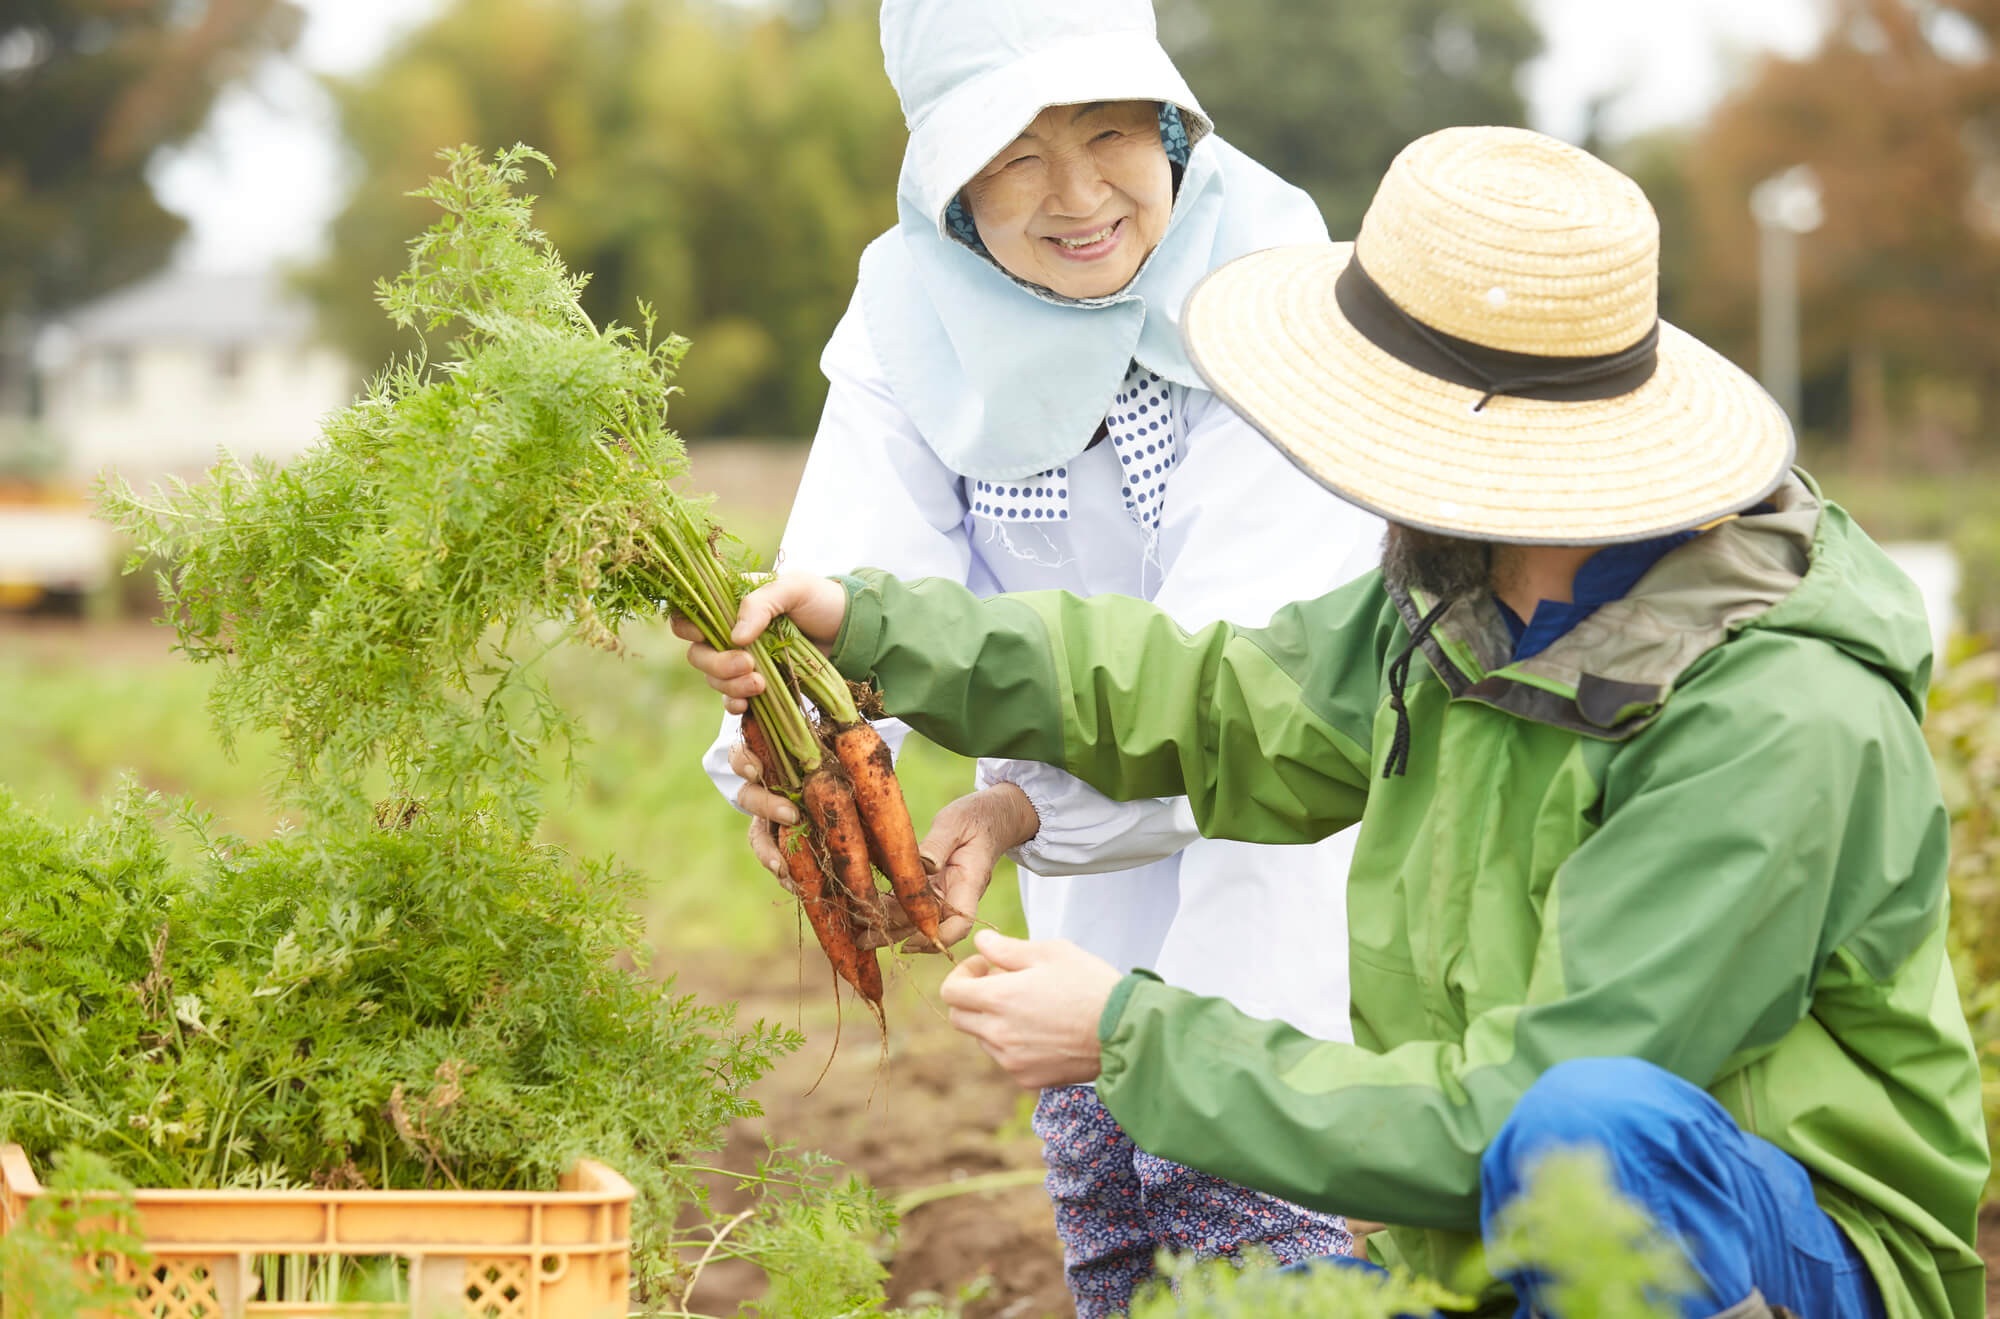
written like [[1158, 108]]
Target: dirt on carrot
[[840, 774], [829, 806], [759, 743], [885, 818], [827, 912]]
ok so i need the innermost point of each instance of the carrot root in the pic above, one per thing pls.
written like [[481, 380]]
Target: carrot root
[[885, 818], [825, 911], [829, 807], [759, 743]]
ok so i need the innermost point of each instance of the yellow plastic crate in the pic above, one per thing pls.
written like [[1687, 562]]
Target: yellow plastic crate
[[562, 1254]]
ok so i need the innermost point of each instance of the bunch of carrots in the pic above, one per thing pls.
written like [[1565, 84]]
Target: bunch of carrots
[[836, 769]]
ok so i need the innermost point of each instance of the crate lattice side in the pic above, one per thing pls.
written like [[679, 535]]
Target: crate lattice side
[[481, 1255]]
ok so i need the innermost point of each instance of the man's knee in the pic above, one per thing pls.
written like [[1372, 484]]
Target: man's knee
[[1616, 1103]]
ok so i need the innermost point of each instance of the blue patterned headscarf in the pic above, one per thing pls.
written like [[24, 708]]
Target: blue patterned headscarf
[[1173, 137]]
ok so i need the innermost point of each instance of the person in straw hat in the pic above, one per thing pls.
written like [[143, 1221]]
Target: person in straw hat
[[1652, 854], [1010, 406]]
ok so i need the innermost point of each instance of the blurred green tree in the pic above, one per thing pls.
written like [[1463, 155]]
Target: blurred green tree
[[1898, 113], [1326, 92], [728, 162], [725, 165], [88, 90]]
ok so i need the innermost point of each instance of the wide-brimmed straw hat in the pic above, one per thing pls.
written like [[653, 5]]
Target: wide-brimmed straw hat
[[972, 74], [1487, 360]]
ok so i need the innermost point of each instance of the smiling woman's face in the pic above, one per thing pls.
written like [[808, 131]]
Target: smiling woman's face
[[1079, 200]]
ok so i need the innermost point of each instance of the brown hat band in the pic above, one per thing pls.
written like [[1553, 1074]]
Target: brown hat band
[[1494, 371]]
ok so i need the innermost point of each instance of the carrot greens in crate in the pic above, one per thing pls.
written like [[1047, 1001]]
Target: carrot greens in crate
[[438, 1005]]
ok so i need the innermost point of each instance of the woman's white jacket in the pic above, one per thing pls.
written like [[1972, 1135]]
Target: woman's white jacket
[[1243, 533]]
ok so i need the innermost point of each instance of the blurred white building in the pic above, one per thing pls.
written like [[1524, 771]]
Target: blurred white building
[[161, 378], [165, 375]]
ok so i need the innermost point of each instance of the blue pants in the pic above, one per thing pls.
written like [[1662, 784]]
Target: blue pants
[[1743, 1208]]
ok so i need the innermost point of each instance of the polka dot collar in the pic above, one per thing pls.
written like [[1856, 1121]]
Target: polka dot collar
[[1142, 437]]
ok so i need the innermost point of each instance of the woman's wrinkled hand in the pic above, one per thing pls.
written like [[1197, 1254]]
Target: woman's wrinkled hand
[[966, 840], [767, 811], [816, 605]]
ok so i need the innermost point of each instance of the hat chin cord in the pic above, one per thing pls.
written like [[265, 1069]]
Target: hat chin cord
[[1398, 762]]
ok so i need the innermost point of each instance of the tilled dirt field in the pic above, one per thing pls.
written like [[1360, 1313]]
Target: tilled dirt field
[[933, 1116]]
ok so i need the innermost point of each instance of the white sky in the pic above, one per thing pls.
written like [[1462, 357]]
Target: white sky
[[1668, 60], [260, 183]]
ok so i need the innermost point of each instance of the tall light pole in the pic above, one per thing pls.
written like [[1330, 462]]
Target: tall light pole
[[1785, 205]]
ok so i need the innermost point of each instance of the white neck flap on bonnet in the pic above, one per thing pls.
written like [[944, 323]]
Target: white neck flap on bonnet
[[1141, 436]]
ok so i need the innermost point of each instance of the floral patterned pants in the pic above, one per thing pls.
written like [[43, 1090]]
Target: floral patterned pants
[[1116, 1206]]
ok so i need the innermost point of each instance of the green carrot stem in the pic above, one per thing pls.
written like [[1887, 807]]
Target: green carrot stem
[[682, 594], [701, 589], [789, 729], [783, 720], [784, 775], [822, 682]]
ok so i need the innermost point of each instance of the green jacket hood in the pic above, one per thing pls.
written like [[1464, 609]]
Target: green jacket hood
[[1802, 567], [1855, 597]]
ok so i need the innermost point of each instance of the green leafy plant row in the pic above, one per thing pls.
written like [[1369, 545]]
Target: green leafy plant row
[[406, 990], [432, 1004]]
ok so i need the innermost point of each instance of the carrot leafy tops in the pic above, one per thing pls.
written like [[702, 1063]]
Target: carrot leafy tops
[[382, 601]]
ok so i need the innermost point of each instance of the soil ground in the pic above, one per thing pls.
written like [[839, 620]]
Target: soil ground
[[932, 1117]]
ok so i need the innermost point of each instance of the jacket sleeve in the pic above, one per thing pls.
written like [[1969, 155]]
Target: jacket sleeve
[[1244, 533], [1115, 692], [867, 455], [1690, 926]]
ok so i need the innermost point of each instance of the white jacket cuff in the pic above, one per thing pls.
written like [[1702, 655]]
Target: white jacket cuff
[[1084, 832]]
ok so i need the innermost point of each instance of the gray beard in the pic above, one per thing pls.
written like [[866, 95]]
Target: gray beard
[[1442, 567]]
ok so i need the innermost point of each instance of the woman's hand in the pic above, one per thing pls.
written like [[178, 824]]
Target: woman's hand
[[767, 810], [965, 841], [816, 605]]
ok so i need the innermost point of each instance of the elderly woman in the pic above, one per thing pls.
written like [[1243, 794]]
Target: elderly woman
[[1010, 407]]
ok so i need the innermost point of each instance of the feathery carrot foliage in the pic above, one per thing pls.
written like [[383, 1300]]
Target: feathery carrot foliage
[[382, 602]]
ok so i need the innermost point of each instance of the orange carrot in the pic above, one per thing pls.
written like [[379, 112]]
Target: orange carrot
[[892, 840], [871, 984], [829, 807], [826, 912], [869, 967], [759, 743]]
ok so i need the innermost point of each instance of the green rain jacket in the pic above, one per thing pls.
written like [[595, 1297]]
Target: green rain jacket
[[1701, 829]]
